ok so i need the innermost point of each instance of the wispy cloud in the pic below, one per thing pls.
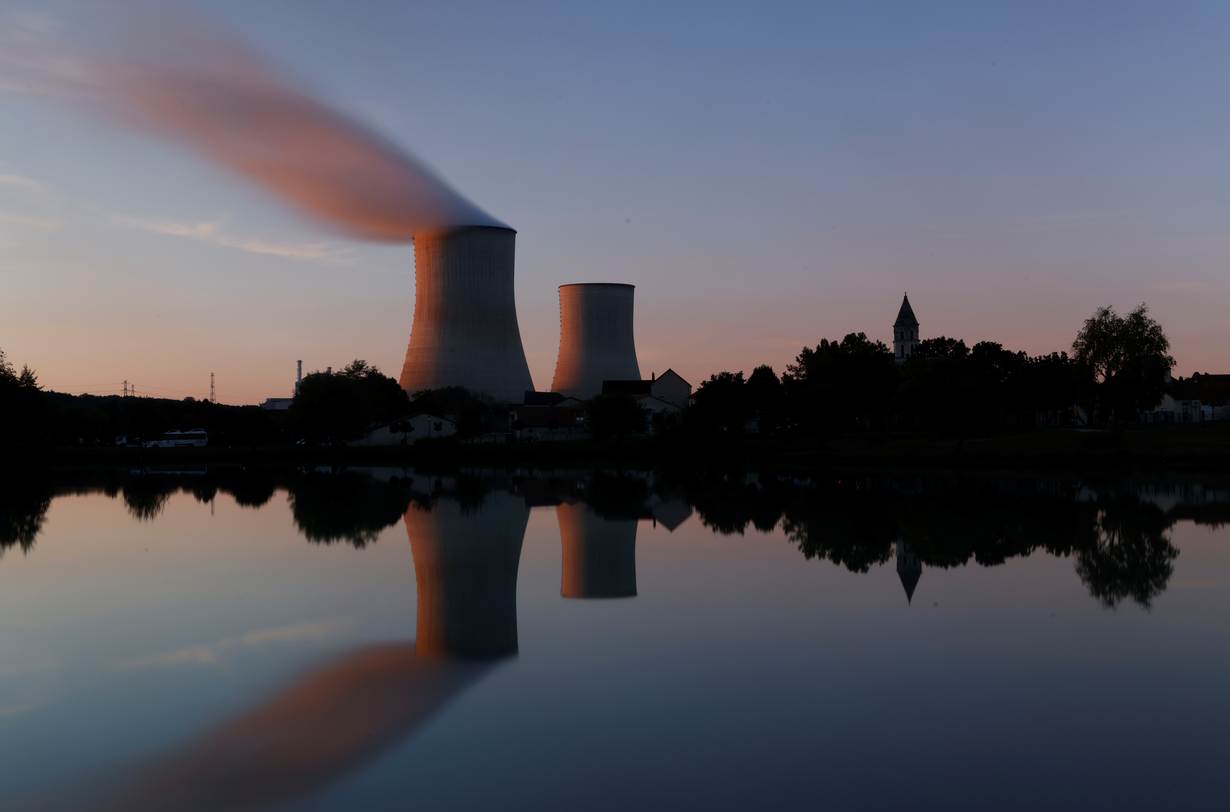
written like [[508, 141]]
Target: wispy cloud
[[38, 223], [171, 228], [312, 251], [23, 182], [212, 231], [214, 653]]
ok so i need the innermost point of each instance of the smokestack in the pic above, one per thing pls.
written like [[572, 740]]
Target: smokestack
[[298, 375], [599, 559], [465, 329], [596, 341]]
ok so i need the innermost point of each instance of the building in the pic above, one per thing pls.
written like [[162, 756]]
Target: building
[[284, 404], [596, 341], [1202, 398], [407, 431], [905, 331], [465, 329], [549, 416], [670, 388]]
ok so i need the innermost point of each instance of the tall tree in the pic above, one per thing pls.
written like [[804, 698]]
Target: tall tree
[[339, 408], [841, 384], [1129, 359]]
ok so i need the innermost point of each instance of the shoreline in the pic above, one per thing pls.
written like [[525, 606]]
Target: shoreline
[[1194, 447]]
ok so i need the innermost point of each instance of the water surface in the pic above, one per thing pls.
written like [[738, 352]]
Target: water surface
[[388, 639]]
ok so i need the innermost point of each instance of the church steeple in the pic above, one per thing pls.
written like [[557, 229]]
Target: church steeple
[[905, 331]]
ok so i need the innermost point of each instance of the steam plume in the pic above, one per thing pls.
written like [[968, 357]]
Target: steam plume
[[175, 76]]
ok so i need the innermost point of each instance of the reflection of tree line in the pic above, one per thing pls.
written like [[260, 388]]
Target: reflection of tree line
[[1119, 542]]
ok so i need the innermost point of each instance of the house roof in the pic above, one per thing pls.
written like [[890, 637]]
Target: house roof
[[905, 316], [673, 372]]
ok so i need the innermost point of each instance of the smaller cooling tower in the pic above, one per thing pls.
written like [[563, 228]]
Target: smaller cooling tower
[[595, 338]]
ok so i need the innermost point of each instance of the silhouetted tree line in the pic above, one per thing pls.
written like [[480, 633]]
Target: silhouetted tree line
[[33, 418], [1118, 368]]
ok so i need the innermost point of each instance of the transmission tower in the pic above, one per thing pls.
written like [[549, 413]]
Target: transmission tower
[[212, 399]]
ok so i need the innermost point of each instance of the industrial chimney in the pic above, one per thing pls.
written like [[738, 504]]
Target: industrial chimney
[[595, 338], [465, 315]]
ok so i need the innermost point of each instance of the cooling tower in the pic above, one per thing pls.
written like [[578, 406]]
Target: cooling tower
[[465, 568], [599, 554], [595, 338], [465, 316]]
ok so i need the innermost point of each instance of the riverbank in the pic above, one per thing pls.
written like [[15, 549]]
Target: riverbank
[[1198, 447]]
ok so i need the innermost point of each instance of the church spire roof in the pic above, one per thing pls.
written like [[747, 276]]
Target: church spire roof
[[905, 316]]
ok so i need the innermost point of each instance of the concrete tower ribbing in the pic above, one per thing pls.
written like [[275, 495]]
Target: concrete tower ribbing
[[596, 341], [465, 329]]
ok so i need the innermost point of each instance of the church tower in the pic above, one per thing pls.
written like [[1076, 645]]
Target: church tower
[[905, 331]]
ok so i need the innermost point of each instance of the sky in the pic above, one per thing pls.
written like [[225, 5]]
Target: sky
[[767, 175]]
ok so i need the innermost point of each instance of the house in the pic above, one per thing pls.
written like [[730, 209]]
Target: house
[[669, 388], [277, 404], [407, 431], [549, 416], [1202, 398]]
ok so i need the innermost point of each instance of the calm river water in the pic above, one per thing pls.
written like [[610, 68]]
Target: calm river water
[[385, 639]]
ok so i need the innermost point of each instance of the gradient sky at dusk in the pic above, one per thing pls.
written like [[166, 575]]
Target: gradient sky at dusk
[[766, 174]]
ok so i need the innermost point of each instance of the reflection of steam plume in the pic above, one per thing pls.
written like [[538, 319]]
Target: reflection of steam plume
[[340, 715], [599, 554], [308, 734], [205, 90], [465, 566]]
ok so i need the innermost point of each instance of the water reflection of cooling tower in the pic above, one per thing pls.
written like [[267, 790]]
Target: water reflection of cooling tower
[[465, 567], [465, 329], [599, 554], [596, 340]]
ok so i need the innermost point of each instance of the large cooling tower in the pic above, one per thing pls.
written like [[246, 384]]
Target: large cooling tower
[[595, 338], [465, 315], [599, 554], [465, 567]]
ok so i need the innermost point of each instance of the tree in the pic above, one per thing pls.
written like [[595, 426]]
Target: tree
[[615, 416], [841, 384], [25, 416], [339, 408], [765, 397], [1128, 358], [720, 404]]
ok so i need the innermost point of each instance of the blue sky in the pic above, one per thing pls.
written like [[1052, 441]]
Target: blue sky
[[766, 174]]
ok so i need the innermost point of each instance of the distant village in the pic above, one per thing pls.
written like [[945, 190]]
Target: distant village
[[663, 399]]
